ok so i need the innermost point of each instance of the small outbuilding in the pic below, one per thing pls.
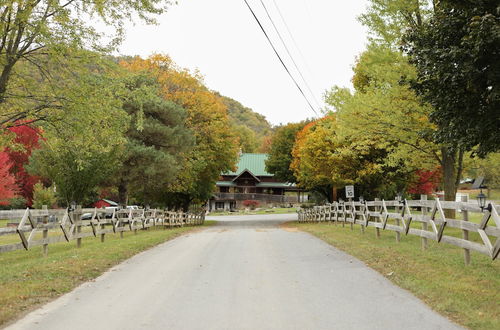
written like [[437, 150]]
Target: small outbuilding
[[105, 203]]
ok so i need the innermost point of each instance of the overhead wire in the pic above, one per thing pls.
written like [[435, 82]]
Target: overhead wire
[[289, 54], [292, 38], [279, 57]]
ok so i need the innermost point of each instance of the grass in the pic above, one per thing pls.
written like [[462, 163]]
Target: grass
[[28, 280], [468, 295], [494, 194], [276, 210]]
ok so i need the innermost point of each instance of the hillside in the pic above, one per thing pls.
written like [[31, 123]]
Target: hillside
[[241, 115], [252, 128]]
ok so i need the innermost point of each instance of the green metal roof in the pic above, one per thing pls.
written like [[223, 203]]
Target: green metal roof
[[225, 184], [255, 163]]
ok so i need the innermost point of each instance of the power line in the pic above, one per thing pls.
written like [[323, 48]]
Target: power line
[[289, 54], [293, 39], [279, 57]]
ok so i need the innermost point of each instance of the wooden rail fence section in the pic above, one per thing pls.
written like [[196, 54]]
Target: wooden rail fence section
[[398, 216], [96, 223]]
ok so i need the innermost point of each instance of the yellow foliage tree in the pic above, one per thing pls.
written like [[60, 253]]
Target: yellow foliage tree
[[216, 147]]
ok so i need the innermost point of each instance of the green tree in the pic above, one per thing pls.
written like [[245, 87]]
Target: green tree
[[488, 167], [383, 109], [280, 154], [456, 55], [387, 19], [156, 143], [216, 147], [82, 153], [48, 36], [386, 114], [323, 162], [247, 140]]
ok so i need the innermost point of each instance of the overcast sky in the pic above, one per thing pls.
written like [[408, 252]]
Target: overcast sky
[[222, 40]]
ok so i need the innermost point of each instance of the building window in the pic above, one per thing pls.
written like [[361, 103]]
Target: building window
[[219, 205], [224, 189]]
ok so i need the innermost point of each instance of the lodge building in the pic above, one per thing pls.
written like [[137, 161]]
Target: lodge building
[[251, 182]]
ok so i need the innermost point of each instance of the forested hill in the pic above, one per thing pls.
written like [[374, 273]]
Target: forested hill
[[241, 115]]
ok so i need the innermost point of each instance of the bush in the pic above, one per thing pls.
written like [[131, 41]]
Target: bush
[[18, 202], [43, 196], [251, 204]]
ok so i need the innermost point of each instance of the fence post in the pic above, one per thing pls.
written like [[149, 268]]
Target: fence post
[[103, 227], [353, 208], [344, 216], [363, 212], [465, 233], [131, 218], [77, 217], [398, 223], [121, 225], [45, 234], [424, 224], [377, 209]]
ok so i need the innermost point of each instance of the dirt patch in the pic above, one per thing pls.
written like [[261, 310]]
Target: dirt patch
[[261, 230], [288, 226]]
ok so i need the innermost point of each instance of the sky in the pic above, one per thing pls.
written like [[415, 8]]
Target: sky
[[222, 40]]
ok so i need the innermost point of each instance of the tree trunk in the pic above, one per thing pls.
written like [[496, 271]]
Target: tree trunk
[[334, 193], [4, 79], [449, 169], [123, 193], [327, 191]]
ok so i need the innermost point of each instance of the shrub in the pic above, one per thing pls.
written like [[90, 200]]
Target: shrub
[[18, 202], [251, 204], [43, 196]]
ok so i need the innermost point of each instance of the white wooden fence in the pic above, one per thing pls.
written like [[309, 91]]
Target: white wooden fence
[[34, 226], [424, 218]]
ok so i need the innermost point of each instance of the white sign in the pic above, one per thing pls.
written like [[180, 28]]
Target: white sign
[[349, 191]]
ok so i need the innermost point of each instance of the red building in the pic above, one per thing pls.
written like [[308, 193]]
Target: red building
[[105, 203]]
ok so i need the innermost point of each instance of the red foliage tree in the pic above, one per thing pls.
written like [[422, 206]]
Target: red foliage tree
[[8, 187], [426, 182], [28, 137]]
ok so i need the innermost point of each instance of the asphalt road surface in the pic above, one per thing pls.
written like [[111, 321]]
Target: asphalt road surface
[[244, 273]]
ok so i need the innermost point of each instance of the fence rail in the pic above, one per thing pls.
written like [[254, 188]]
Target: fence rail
[[95, 223], [399, 216]]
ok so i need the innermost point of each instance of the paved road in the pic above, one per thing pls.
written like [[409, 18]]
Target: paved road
[[245, 273]]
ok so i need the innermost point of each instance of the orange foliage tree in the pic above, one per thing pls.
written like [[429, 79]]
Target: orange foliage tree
[[323, 160]]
